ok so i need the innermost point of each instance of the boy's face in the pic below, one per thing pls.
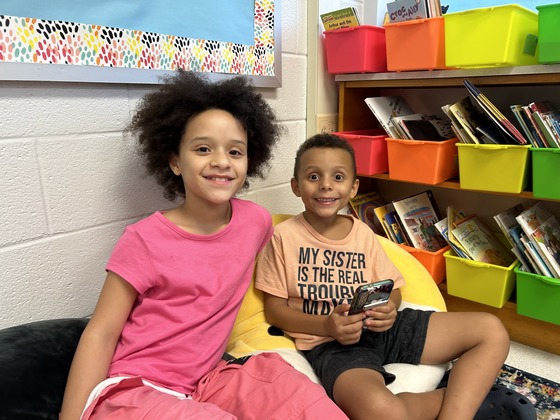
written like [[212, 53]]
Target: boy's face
[[325, 180], [212, 157]]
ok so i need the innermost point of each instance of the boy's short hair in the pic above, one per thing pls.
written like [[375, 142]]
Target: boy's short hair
[[162, 116], [324, 140]]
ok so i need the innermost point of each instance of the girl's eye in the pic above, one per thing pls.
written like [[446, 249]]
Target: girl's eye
[[236, 153], [203, 149]]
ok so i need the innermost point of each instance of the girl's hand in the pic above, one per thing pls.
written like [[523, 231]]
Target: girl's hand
[[381, 318], [346, 329]]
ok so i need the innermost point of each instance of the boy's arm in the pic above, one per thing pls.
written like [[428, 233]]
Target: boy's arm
[[97, 344], [346, 329]]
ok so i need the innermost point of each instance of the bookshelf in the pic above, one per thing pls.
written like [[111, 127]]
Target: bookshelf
[[431, 89]]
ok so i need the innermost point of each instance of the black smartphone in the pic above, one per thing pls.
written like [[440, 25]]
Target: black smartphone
[[370, 295]]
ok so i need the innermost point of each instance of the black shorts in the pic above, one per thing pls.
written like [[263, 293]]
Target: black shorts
[[403, 343]]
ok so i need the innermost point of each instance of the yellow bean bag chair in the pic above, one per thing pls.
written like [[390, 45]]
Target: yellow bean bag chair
[[251, 332]]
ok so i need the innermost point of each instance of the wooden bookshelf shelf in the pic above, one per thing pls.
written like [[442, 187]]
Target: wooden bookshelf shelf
[[431, 89], [528, 331]]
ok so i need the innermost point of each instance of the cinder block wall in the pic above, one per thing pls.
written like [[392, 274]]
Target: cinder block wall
[[70, 182]]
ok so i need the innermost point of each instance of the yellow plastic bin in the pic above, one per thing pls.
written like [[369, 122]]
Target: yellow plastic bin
[[434, 262], [423, 161], [491, 37], [480, 282], [538, 296], [494, 167]]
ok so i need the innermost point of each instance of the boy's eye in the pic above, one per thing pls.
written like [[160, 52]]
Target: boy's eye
[[313, 177], [339, 177]]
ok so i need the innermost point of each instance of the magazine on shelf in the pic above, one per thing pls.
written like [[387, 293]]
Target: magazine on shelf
[[506, 127], [341, 18], [419, 214], [481, 244], [384, 108]]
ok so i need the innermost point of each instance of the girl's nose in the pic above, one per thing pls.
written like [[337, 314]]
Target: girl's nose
[[220, 159]]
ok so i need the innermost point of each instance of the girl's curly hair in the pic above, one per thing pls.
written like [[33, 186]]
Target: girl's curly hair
[[162, 116]]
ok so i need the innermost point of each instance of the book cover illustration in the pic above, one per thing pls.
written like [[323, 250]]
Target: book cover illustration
[[506, 221], [423, 127], [393, 224], [418, 216], [481, 244], [403, 10], [547, 237], [341, 18], [380, 213], [384, 108], [364, 206]]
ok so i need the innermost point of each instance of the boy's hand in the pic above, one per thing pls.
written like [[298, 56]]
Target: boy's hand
[[381, 318], [346, 329]]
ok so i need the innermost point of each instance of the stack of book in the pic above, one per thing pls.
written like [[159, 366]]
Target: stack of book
[[399, 121], [534, 235], [411, 221], [540, 122], [482, 123], [470, 238]]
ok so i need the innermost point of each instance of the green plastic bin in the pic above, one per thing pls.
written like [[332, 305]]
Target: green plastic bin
[[545, 163], [538, 296]]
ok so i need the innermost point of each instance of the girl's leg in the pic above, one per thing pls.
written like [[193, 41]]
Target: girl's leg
[[480, 343]]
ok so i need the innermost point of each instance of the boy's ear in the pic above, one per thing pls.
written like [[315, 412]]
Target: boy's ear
[[174, 164], [295, 187], [355, 187]]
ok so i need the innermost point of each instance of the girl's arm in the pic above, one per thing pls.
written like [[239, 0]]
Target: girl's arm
[[97, 344], [346, 329]]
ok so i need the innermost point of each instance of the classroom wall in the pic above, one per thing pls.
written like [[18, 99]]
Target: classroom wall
[[70, 181]]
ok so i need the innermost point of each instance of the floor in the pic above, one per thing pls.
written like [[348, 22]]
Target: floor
[[534, 361]]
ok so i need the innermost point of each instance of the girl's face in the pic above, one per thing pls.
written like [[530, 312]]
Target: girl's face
[[325, 181], [212, 157]]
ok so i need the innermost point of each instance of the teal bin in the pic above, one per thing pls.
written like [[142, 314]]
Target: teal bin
[[545, 163], [549, 36], [538, 296]]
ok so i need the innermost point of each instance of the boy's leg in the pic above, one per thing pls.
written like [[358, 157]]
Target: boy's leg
[[266, 387], [480, 343], [362, 394]]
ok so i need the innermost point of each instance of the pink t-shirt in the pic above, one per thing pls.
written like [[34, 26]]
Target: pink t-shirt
[[190, 288], [316, 273]]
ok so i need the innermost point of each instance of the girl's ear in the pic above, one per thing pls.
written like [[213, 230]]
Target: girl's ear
[[295, 187], [174, 164]]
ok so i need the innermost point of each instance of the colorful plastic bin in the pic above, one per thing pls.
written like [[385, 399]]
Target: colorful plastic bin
[[494, 167], [416, 44], [370, 149], [545, 164], [360, 49], [491, 37], [422, 161], [538, 296], [549, 37], [434, 262], [480, 282]]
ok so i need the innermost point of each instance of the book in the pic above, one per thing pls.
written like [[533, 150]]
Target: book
[[380, 213], [403, 10], [419, 214], [364, 205], [384, 108], [423, 127], [481, 244], [539, 135], [543, 233], [468, 117], [391, 219], [506, 127], [525, 124], [506, 221], [340, 18], [544, 116]]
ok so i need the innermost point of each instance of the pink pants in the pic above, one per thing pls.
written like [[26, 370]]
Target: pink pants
[[265, 387]]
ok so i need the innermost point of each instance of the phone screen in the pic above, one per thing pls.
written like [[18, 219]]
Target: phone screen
[[371, 295]]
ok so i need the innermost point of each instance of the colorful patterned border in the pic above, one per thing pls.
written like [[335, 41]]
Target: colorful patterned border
[[29, 40]]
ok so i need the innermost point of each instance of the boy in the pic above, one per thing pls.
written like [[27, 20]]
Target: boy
[[308, 272]]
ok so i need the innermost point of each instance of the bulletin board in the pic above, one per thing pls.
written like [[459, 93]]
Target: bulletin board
[[35, 45]]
